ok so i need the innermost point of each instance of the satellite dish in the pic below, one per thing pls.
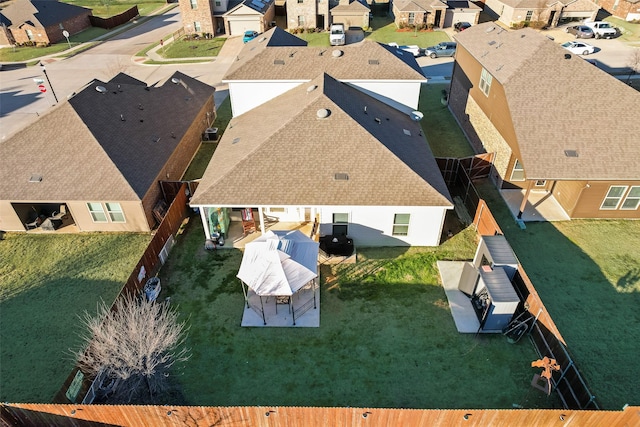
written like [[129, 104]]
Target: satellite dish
[[101, 89], [416, 116]]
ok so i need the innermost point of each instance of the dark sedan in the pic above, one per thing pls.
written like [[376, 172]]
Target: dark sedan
[[460, 26], [581, 31]]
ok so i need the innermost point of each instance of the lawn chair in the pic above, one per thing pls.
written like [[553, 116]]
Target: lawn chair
[[35, 224], [59, 216]]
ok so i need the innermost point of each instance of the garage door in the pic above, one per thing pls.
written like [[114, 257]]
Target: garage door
[[238, 27], [576, 14], [451, 17]]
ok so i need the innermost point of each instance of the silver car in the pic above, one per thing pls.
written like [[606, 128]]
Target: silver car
[[441, 49], [581, 31]]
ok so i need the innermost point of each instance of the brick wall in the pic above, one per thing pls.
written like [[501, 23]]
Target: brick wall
[[622, 10], [203, 13], [402, 18], [53, 33], [309, 9]]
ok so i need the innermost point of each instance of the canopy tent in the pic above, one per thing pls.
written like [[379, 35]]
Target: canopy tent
[[279, 264]]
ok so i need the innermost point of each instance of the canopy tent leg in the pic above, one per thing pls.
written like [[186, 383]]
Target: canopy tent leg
[[313, 289], [262, 307], [293, 312], [261, 215], [246, 298]]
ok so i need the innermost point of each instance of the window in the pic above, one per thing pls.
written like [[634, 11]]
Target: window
[[218, 3], [300, 1], [541, 183], [615, 4], [613, 197], [115, 212], [401, 224], [518, 172], [194, 4], [485, 82], [529, 15], [97, 212], [632, 201], [300, 20], [196, 27], [412, 18], [340, 224], [29, 34], [276, 210]]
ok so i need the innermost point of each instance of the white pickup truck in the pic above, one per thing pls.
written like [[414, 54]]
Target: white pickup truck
[[602, 29], [337, 35]]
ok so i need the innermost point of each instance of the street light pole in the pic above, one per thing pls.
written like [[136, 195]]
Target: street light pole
[[44, 70]]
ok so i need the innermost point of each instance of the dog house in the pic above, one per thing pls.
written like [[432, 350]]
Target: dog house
[[495, 251]]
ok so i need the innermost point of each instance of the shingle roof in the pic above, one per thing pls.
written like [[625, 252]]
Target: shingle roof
[[354, 6], [101, 146], [260, 6], [284, 153], [418, 5], [364, 61], [41, 12], [279, 37], [559, 102]]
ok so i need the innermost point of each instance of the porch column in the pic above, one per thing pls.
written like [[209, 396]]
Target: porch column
[[261, 215], [524, 199], [205, 224]]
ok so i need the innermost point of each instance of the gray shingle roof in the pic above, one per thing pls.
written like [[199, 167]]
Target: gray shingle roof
[[418, 5], [283, 153], [367, 60], [354, 7], [85, 150], [559, 102], [41, 12]]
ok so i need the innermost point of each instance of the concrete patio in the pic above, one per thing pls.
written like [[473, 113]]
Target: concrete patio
[[281, 315], [541, 206]]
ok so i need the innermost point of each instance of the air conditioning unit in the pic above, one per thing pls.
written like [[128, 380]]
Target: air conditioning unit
[[210, 134]]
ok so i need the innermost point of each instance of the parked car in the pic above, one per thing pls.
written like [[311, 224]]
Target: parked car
[[460, 26], [412, 49], [602, 29], [441, 49], [249, 35], [581, 31], [337, 36], [578, 47]]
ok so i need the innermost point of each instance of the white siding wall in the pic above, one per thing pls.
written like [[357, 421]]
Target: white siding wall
[[402, 95], [248, 95], [373, 225]]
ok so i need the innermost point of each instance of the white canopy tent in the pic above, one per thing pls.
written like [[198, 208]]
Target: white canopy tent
[[279, 264]]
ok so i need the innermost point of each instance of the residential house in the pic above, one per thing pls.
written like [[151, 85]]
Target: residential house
[[264, 70], [41, 22], [550, 12], [226, 17], [257, 15], [351, 13], [330, 147], [434, 13], [98, 157], [552, 119], [307, 14], [629, 10]]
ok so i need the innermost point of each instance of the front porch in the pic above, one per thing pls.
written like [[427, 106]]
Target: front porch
[[540, 206]]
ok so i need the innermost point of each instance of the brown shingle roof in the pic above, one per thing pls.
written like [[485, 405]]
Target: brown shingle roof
[[559, 102], [283, 153], [304, 63]]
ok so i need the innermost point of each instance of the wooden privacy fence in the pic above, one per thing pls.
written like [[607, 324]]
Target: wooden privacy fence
[[115, 20], [459, 175], [276, 416], [77, 385]]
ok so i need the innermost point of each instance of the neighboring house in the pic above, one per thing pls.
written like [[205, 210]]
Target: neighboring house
[[257, 15], [41, 22], [264, 70], [554, 132], [100, 155], [351, 13], [628, 10], [226, 17], [307, 14], [551, 12], [434, 13], [326, 151]]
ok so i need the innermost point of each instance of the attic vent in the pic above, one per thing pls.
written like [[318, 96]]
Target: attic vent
[[499, 67], [278, 62], [571, 153], [322, 113], [155, 138], [378, 121], [567, 56], [522, 36], [406, 132], [488, 30], [35, 178], [262, 39], [175, 80], [337, 53], [341, 176], [374, 62], [235, 140], [312, 88], [492, 42], [119, 88], [101, 89], [140, 107]]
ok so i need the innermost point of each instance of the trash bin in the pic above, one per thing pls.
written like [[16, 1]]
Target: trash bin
[[152, 289]]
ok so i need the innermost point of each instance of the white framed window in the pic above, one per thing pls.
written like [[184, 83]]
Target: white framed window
[[218, 3], [194, 4], [412, 18], [613, 197], [401, 224], [485, 82], [340, 224], [196, 26], [632, 201], [29, 34], [300, 20], [529, 15], [97, 212], [541, 183], [277, 210], [517, 174], [115, 212]]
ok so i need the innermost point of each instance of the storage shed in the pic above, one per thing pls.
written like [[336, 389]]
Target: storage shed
[[494, 301], [495, 251]]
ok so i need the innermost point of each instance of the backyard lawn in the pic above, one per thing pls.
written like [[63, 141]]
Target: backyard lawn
[[386, 337], [46, 281]]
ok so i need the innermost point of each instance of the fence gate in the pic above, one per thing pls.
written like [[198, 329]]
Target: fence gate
[[478, 166]]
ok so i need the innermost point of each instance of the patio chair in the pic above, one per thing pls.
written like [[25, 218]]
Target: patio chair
[[35, 224], [59, 216]]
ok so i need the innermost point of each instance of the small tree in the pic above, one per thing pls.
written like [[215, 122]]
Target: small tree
[[134, 346], [634, 63]]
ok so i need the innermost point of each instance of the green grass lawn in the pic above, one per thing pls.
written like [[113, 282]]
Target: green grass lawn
[[107, 8], [630, 32], [46, 281], [315, 39], [385, 31], [587, 273], [184, 48], [386, 338]]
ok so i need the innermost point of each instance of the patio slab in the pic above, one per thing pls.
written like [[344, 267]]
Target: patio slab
[[279, 315], [462, 311], [541, 206]]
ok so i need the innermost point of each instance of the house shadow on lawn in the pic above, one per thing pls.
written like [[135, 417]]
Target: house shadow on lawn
[[587, 275]]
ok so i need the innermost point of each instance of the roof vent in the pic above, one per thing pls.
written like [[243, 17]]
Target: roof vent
[[416, 116], [571, 153], [312, 88], [278, 62], [35, 178], [262, 39], [488, 30], [175, 80], [567, 56], [341, 176], [140, 107], [374, 62], [378, 121], [492, 42], [155, 138], [322, 113], [406, 132], [101, 89], [337, 53], [235, 140]]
